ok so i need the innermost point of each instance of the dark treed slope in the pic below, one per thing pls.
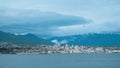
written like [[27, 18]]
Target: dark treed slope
[[29, 39]]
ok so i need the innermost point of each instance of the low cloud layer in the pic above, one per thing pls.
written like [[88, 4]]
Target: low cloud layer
[[41, 23]]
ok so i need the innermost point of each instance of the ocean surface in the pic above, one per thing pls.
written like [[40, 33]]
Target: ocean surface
[[60, 61]]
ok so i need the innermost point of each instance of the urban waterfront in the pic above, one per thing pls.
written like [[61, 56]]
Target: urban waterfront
[[7, 48], [60, 60]]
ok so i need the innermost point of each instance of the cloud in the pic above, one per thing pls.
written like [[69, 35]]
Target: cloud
[[41, 23], [104, 27], [59, 17]]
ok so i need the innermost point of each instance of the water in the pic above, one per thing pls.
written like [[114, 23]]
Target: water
[[60, 61]]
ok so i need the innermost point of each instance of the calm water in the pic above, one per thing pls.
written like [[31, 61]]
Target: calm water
[[60, 61]]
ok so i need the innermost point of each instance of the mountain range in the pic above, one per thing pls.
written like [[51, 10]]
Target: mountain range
[[91, 39]]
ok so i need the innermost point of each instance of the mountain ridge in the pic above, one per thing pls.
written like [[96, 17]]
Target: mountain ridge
[[28, 39], [92, 39]]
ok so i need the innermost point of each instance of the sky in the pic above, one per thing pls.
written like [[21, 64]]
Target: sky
[[60, 17]]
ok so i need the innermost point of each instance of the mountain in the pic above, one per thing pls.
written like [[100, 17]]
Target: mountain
[[28, 39], [91, 39], [84, 39]]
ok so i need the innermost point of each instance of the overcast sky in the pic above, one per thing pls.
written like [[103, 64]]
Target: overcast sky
[[60, 17]]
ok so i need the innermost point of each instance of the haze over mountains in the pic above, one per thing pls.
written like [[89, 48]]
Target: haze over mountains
[[92, 39]]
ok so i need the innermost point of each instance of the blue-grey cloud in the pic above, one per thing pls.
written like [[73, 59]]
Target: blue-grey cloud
[[42, 23], [60, 17]]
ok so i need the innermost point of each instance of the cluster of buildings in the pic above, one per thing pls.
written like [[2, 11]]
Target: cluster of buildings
[[6, 48], [80, 49]]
